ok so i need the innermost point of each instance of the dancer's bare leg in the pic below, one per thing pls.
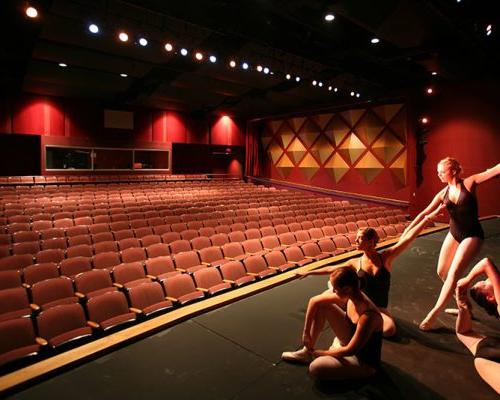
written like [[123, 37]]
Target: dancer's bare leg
[[389, 328], [446, 254]]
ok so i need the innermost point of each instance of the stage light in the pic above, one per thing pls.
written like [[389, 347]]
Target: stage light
[[357, 95], [123, 37], [320, 84], [32, 12], [93, 28], [244, 65], [424, 120], [314, 83], [198, 56], [288, 76], [329, 88], [297, 79], [489, 30], [123, 75], [64, 65], [329, 17], [266, 70], [434, 73], [259, 68], [232, 63], [335, 90], [352, 94], [212, 59], [429, 90], [168, 47], [184, 52], [375, 40], [143, 42]]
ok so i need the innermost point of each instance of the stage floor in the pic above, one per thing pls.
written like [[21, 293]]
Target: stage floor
[[234, 351]]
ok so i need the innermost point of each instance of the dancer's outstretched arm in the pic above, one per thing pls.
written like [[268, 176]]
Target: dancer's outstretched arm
[[435, 203], [323, 271], [484, 176]]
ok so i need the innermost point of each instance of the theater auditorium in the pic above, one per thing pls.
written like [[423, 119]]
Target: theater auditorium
[[174, 177]]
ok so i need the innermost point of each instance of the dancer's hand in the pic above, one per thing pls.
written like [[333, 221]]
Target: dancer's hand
[[301, 274], [436, 212], [319, 353], [462, 286]]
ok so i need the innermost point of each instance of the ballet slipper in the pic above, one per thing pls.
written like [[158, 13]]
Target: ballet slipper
[[451, 311]]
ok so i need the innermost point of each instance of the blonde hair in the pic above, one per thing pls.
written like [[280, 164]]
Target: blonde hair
[[451, 163], [370, 234]]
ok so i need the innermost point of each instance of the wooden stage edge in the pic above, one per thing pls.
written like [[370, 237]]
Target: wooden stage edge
[[96, 348]]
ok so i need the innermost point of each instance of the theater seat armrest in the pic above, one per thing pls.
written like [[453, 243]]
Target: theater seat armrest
[[118, 285], [204, 290], [34, 307], [172, 299], [231, 258], [135, 310], [79, 295], [310, 258], [93, 324], [275, 268], [152, 277], [252, 274], [206, 263], [181, 270], [294, 262], [229, 281], [26, 285], [41, 341]]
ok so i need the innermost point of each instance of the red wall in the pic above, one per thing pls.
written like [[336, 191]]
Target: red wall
[[464, 124], [80, 123]]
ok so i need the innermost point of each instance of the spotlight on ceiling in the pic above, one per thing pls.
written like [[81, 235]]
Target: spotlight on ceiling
[[424, 120], [288, 76], [429, 90], [198, 56], [489, 30], [259, 68], [123, 75], [434, 73], [244, 65], [232, 63], [123, 36], [335, 90], [143, 42], [212, 59], [184, 52], [352, 94], [375, 40], [320, 84], [297, 79], [266, 70], [357, 95], [31, 12], [314, 83], [63, 65], [329, 17], [330, 88], [169, 47], [93, 28]]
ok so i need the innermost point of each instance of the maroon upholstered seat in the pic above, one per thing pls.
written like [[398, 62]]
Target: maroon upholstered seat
[[109, 310], [17, 340], [148, 298], [257, 266], [39, 272], [52, 292], [209, 280], [181, 289], [14, 303], [93, 283], [234, 273]]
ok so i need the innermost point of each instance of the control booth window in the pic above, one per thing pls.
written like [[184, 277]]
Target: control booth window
[[68, 158]]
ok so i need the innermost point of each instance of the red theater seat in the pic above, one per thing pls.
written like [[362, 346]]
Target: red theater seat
[[17, 340]]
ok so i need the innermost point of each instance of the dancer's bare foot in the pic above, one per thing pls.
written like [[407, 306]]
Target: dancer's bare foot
[[427, 324]]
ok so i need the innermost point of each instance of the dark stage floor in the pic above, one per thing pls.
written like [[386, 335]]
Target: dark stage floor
[[234, 352]]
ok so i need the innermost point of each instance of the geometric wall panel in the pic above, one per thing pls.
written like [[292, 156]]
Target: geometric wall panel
[[398, 126], [275, 125], [274, 151], [285, 135], [369, 167], [351, 148], [322, 119], [368, 128], [336, 130], [296, 123], [308, 133], [386, 147], [296, 150], [285, 166], [398, 168], [387, 111], [266, 138], [336, 167], [322, 149], [309, 166], [352, 116]]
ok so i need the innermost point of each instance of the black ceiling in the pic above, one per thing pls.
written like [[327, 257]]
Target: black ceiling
[[416, 37]]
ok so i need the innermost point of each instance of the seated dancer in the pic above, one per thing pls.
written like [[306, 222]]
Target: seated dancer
[[486, 293], [374, 269], [358, 329]]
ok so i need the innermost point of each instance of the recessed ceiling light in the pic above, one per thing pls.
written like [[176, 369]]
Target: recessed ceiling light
[[32, 12], [320, 84], [123, 37], [375, 40], [357, 95], [198, 56], [329, 17], [168, 47], [424, 120], [314, 83], [244, 65], [352, 94], [61, 64], [329, 88], [143, 42], [335, 89], [184, 52], [429, 90], [232, 63], [212, 59], [123, 75], [297, 78], [93, 28], [265, 70], [259, 68], [434, 73], [288, 76]]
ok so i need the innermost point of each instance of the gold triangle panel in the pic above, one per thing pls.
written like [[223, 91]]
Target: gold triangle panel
[[309, 132], [296, 150], [285, 166], [352, 148], [322, 119], [296, 123], [274, 151], [322, 149], [336, 130], [369, 167], [398, 126], [336, 167], [398, 168], [386, 147], [352, 116], [309, 166], [274, 126], [368, 128], [285, 135], [387, 111]]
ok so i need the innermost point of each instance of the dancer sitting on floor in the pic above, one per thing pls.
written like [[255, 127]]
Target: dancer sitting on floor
[[486, 293], [463, 241], [374, 269], [358, 329]]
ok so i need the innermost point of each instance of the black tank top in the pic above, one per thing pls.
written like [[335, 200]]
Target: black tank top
[[377, 286], [371, 352], [464, 220], [489, 348]]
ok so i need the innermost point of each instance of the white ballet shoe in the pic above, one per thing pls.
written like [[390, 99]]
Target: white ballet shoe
[[301, 356], [451, 311]]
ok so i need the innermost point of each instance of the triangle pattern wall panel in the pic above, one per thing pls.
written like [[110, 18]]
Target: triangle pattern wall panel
[[398, 168], [352, 148], [309, 166], [398, 125], [275, 125], [296, 123], [322, 120], [368, 128], [285, 166], [309, 133], [337, 130], [322, 149], [386, 147], [285, 135], [336, 167], [369, 167], [387, 111], [274, 151], [296, 150], [352, 116]]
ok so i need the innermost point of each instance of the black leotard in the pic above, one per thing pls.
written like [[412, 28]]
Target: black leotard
[[489, 348], [377, 286], [370, 353], [464, 221]]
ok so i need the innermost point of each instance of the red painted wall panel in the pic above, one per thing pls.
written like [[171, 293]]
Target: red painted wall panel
[[225, 130]]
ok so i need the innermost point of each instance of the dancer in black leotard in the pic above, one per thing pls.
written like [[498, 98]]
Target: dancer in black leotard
[[376, 286], [359, 330], [486, 349], [464, 240]]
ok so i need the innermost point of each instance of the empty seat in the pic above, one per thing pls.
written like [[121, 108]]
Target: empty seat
[[82, 250], [79, 239], [206, 231], [170, 237], [313, 251], [188, 261], [109, 310], [257, 266], [317, 233], [189, 234], [342, 243], [98, 228], [181, 289], [158, 250], [133, 254], [54, 243], [129, 274], [103, 247], [127, 243], [294, 255], [287, 239], [137, 224], [106, 260], [236, 236], [209, 280], [200, 242], [160, 268], [93, 283], [302, 236], [212, 256], [161, 229], [142, 232], [25, 248], [17, 227], [267, 231], [276, 260], [41, 225], [14, 303], [123, 234], [63, 223], [280, 229], [233, 251], [234, 272], [10, 279], [50, 255], [52, 292], [328, 231], [63, 324], [25, 236], [73, 266], [253, 247], [179, 246], [17, 340], [223, 229], [219, 239], [327, 246], [39, 272], [148, 298], [77, 231], [178, 227], [15, 262]]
